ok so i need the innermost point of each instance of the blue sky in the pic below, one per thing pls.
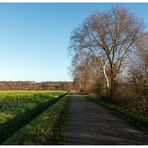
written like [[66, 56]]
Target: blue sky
[[34, 38]]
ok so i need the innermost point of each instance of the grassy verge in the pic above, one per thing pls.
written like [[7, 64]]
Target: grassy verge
[[41, 128], [134, 119], [61, 125]]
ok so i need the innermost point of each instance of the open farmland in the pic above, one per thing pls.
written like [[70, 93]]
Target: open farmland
[[42, 128], [18, 108]]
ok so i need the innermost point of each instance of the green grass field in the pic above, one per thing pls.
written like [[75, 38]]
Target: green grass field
[[40, 129], [18, 108]]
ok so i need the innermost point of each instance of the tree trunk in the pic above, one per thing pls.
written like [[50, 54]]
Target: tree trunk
[[112, 85], [106, 80]]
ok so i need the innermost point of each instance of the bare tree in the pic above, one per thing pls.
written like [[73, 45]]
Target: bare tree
[[85, 71], [108, 36], [138, 71]]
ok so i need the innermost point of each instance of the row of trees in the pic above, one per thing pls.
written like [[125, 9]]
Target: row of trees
[[110, 54], [32, 85]]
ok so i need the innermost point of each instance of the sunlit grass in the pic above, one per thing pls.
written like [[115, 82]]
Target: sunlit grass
[[39, 130], [19, 107]]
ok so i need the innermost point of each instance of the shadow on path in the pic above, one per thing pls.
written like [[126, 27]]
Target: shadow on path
[[92, 124]]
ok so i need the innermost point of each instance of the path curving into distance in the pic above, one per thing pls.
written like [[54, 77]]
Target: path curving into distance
[[91, 124]]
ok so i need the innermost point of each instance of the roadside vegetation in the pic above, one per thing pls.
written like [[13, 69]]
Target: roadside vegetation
[[137, 120], [110, 61], [40, 129], [18, 108], [58, 137]]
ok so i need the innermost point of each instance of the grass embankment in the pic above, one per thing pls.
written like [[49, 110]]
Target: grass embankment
[[61, 125], [40, 129], [135, 119], [17, 108]]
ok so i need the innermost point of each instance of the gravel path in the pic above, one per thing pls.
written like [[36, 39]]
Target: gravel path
[[91, 124]]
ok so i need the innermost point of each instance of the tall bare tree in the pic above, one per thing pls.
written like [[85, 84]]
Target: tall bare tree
[[108, 36]]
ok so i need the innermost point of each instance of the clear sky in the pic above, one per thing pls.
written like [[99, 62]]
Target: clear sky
[[34, 38]]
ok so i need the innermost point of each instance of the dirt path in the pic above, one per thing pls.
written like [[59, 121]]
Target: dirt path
[[92, 124]]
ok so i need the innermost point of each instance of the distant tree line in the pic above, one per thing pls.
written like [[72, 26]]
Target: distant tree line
[[110, 58], [31, 85]]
